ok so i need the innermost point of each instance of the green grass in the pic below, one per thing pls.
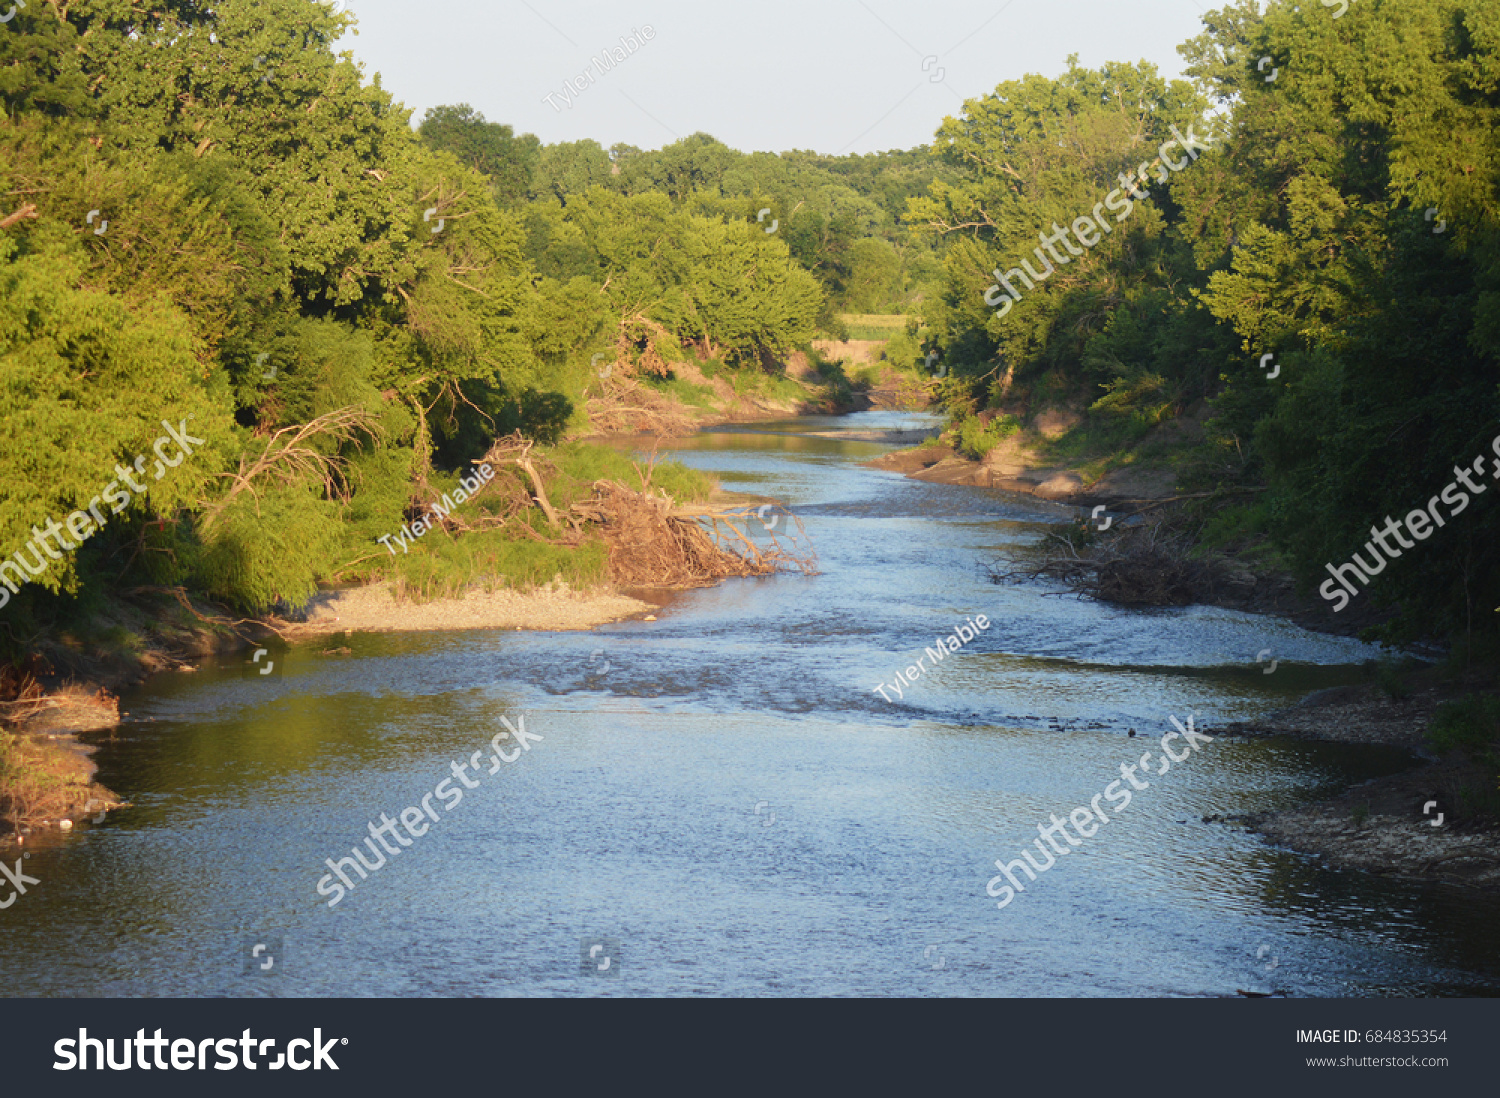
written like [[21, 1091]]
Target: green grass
[[693, 395], [1231, 523], [1471, 725], [585, 462], [1099, 438], [772, 387], [440, 566]]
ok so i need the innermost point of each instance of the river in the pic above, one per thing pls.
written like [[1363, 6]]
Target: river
[[721, 803]]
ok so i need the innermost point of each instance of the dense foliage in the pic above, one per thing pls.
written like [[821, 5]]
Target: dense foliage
[[212, 222], [1344, 222]]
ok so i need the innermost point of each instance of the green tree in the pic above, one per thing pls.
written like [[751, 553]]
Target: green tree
[[493, 149]]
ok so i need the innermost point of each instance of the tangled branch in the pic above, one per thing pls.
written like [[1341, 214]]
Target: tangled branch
[[653, 544], [289, 457], [1142, 565]]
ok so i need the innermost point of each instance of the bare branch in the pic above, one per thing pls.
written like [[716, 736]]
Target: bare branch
[[25, 213], [289, 457]]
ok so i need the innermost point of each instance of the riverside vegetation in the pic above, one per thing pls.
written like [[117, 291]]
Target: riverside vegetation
[[1346, 224], [208, 214]]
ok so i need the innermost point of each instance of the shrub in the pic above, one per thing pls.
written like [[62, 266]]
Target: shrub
[[1388, 676], [976, 439], [1470, 725]]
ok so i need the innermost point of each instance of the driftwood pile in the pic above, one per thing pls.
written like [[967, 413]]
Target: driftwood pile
[[20, 695], [1141, 565], [654, 544], [624, 406], [651, 541]]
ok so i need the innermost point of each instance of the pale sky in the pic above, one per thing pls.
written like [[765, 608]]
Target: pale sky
[[836, 76]]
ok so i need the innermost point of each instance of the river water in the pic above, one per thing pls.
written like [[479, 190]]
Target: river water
[[721, 804]]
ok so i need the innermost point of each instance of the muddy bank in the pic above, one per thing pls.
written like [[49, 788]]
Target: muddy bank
[[1379, 827], [1401, 826], [627, 406], [67, 689]]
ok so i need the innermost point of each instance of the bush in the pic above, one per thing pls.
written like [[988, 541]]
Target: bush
[[1471, 725], [1389, 677], [976, 439], [831, 325], [904, 351], [1230, 523]]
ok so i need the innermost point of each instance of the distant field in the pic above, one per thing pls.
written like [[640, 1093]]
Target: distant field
[[872, 325]]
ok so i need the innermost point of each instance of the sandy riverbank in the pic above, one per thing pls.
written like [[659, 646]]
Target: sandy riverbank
[[376, 609]]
